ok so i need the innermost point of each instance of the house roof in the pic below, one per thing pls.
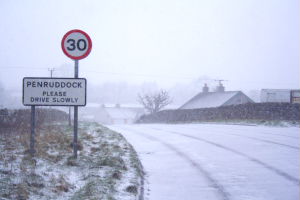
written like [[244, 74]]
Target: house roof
[[209, 99]]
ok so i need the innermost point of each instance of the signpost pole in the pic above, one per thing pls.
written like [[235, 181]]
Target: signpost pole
[[70, 124], [76, 44], [32, 135], [75, 147]]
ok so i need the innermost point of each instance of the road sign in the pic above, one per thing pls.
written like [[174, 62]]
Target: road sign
[[38, 91], [76, 44]]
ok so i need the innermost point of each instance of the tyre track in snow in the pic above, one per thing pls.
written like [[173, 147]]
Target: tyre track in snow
[[264, 133], [255, 138], [252, 159], [220, 188]]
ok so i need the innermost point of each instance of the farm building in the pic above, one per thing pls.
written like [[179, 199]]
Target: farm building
[[275, 95], [112, 114], [279, 95], [220, 97], [295, 96]]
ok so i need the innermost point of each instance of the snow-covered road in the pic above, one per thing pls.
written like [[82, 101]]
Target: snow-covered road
[[210, 161]]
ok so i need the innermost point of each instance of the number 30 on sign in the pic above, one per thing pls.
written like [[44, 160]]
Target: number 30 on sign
[[76, 44]]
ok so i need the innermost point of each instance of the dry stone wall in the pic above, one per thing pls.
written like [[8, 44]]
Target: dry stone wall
[[251, 111]]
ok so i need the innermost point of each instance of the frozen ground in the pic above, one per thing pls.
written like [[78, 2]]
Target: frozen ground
[[210, 161], [107, 167]]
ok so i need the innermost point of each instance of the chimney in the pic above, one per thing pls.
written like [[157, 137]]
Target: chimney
[[205, 88], [220, 88]]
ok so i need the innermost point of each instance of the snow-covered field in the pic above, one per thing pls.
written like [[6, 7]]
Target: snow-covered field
[[211, 161]]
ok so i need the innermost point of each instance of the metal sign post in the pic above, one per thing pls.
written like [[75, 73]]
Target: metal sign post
[[70, 123], [32, 135], [75, 138], [77, 45]]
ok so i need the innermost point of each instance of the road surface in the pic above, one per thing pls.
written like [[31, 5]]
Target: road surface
[[212, 162]]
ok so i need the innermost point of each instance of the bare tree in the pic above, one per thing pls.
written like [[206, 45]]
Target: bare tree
[[155, 102]]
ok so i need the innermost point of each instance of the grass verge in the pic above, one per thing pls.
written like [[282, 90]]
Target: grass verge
[[107, 166]]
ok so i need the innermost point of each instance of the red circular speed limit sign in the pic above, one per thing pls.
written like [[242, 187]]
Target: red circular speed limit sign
[[76, 44]]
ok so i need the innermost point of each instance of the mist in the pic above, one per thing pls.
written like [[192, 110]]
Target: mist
[[149, 99], [172, 45]]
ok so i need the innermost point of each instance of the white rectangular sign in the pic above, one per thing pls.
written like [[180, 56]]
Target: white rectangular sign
[[39, 91]]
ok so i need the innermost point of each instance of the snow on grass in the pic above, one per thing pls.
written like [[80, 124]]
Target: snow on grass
[[107, 166]]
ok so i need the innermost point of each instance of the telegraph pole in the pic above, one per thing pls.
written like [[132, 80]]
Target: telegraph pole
[[51, 71], [51, 75]]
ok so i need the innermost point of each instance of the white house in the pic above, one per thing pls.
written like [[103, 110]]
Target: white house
[[112, 113], [206, 99]]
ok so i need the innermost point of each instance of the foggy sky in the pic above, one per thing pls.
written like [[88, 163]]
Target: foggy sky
[[253, 44]]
